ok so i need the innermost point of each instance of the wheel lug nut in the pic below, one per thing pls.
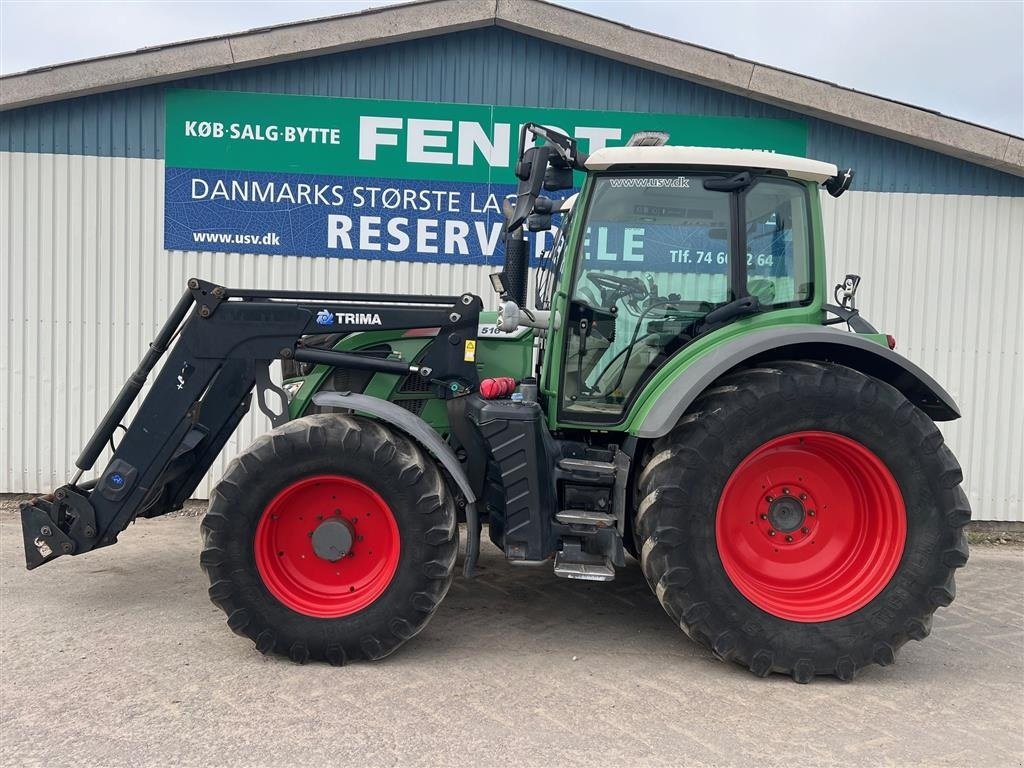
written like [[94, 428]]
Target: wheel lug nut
[[803, 497], [769, 499], [810, 513], [785, 491], [764, 517], [771, 532], [789, 538]]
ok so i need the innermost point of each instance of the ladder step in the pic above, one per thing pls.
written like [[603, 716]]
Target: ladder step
[[585, 517], [587, 467], [568, 569]]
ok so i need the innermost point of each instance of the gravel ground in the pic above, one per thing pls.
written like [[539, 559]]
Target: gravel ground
[[119, 658]]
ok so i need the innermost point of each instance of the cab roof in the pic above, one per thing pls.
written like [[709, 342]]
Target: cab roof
[[710, 157]]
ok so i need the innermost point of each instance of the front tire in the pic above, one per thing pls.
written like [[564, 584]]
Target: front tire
[[802, 518], [331, 538]]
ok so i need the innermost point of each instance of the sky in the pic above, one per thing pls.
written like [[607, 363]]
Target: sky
[[964, 59]]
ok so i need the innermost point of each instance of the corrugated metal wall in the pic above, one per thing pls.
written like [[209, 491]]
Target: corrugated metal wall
[[943, 274], [84, 281], [86, 284]]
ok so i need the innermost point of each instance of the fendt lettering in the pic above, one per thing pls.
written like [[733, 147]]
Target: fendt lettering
[[678, 389]]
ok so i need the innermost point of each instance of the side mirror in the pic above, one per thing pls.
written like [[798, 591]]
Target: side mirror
[[557, 178], [532, 167], [539, 222], [839, 183]]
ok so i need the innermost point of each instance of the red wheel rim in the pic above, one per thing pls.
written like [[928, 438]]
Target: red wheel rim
[[287, 556], [811, 526]]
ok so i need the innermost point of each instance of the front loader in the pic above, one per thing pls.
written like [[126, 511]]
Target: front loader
[[679, 389]]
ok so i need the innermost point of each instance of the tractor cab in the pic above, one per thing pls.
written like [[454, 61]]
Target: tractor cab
[[662, 247]]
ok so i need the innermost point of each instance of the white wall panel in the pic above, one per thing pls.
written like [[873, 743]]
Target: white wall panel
[[85, 283], [945, 275]]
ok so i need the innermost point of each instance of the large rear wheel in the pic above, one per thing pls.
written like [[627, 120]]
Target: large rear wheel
[[331, 538], [802, 518]]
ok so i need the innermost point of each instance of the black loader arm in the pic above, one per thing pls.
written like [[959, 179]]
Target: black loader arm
[[219, 343]]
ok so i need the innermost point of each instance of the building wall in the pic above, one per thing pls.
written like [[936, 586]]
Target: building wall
[[86, 282]]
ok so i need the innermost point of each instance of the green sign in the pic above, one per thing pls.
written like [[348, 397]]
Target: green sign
[[406, 180], [416, 140]]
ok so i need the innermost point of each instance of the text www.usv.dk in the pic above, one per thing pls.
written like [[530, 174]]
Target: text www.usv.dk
[[270, 238]]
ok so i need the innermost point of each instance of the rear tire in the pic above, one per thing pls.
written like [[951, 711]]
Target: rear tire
[[739, 557], [331, 538]]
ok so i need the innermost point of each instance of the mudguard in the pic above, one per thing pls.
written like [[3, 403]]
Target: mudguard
[[797, 342], [428, 439]]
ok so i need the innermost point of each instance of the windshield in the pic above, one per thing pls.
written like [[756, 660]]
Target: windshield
[[657, 255]]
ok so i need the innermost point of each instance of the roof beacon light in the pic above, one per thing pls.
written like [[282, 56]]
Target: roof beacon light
[[648, 139]]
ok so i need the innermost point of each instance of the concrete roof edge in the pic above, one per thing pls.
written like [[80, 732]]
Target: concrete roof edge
[[425, 18], [873, 114], [252, 48]]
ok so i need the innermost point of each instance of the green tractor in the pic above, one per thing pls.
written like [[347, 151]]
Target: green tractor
[[677, 390]]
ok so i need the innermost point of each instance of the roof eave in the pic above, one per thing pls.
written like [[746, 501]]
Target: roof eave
[[798, 93], [391, 24], [257, 47]]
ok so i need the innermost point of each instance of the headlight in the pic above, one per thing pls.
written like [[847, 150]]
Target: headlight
[[291, 388]]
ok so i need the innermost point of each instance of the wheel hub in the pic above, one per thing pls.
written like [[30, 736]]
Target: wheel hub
[[333, 538], [786, 514]]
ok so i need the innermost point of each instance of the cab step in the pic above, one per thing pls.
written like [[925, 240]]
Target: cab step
[[587, 470], [586, 517], [571, 562], [568, 569]]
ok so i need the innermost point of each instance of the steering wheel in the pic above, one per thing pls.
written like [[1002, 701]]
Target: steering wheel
[[608, 282], [613, 288]]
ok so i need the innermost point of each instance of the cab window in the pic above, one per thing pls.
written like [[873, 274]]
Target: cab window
[[656, 256]]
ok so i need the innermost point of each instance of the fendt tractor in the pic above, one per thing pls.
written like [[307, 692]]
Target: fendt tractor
[[681, 389]]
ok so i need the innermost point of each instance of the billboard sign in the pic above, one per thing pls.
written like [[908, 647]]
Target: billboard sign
[[371, 179]]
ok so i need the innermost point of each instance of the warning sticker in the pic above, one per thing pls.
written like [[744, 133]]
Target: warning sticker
[[470, 354]]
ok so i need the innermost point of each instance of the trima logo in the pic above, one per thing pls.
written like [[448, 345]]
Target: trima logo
[[326, 317]]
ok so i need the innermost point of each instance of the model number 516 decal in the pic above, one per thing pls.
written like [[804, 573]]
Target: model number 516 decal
[[491, 332]]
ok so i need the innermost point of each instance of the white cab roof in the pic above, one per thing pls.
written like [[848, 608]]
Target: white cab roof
[[796, 167]]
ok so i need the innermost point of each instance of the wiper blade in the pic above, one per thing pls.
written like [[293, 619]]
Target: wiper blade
[[747, 305]]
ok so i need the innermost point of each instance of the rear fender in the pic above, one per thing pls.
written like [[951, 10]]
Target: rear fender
[[797, 342]]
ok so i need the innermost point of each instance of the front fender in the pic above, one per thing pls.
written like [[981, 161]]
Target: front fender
[[802, 342]]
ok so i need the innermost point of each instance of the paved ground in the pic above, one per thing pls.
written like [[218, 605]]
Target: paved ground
[[118, 658]]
